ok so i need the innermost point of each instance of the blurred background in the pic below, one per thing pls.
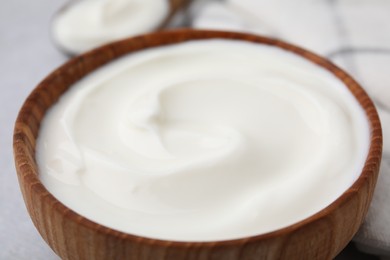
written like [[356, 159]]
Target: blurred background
[[355, 34]]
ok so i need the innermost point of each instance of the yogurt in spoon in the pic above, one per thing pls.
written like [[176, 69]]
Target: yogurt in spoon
[[86, 24]]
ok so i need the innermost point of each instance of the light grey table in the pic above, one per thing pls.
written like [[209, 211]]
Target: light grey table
[[26, 56]]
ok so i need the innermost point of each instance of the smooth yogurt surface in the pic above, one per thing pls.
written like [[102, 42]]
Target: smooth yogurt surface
[[204, 140], [86, 24]]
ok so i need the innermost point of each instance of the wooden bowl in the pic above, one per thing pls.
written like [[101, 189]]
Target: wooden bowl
[[71, 236]]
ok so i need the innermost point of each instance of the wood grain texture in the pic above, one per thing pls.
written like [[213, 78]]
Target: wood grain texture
[[72, 236]]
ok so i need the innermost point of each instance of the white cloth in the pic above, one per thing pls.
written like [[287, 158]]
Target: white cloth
[[355, 34]]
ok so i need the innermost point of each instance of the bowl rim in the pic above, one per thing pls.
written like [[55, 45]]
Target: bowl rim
[[179, 36]]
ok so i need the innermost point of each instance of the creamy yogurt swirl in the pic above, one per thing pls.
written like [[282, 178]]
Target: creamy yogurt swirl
[[86, 24], [204, 140]]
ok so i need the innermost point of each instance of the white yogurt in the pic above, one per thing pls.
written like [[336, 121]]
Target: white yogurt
[[204, 140], [87, 24]]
